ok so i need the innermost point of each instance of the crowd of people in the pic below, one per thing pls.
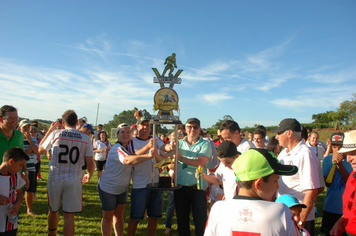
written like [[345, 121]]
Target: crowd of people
[[230, 185]]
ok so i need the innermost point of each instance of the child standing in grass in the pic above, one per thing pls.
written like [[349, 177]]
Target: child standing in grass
[[11, 194], [224, 175]]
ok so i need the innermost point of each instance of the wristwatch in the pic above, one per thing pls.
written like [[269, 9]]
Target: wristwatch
[[181, 158]]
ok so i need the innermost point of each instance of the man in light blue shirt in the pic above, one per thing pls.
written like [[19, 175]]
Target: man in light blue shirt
[[193, 152]]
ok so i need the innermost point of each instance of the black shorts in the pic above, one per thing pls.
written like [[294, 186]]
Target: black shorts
[[9, 233], [328, 221], [100, 165], [32, 177]]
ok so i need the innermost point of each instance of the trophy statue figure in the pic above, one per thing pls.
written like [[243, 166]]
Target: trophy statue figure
[[170, 62], [166, 99]]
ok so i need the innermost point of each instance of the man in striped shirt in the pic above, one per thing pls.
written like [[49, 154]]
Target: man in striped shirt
[[69, 149]]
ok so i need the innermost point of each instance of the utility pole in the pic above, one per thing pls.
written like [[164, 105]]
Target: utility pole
[[97, 114]]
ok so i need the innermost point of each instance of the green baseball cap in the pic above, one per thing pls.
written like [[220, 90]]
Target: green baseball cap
[[142, 119], [257, 163]]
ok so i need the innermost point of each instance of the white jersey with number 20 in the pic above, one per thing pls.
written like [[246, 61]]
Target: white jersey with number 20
[[69, 149]]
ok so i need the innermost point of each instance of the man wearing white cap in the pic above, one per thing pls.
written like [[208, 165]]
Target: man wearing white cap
[[348, 220]]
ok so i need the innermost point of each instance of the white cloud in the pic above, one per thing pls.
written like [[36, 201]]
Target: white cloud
[[36, 89], [263, 60], [216, 98], [300, 102], [338, 77], [276, 81]]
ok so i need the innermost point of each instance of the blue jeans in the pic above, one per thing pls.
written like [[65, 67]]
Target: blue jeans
[[169, 209], [187, 198], [144, 198], [110, 201]]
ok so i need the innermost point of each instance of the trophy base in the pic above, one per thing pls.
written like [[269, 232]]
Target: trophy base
[[156, 187], [165, 182]]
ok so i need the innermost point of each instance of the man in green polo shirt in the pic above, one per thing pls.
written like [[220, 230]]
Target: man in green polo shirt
[[194, 151], [9, 136]]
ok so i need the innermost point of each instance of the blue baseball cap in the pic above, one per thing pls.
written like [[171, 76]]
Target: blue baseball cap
[[290, 201], [86, 125]]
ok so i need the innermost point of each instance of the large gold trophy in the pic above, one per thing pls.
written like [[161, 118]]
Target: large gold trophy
[[166, 105]]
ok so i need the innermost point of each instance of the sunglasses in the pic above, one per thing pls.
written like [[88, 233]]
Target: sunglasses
[[192, 126]]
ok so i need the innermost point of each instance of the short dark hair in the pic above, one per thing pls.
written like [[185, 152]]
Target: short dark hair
[[6, 108], [70, 118], [309, 129], [82, 120], [261, 132], [304, 133], [261, 127], [231, 125], [272, 144], [15, 153], [248, 184], [100, 125]]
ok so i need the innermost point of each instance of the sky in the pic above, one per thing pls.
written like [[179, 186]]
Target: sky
[[257, 61]]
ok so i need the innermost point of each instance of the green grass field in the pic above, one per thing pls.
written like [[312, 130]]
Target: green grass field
[[88, 222]]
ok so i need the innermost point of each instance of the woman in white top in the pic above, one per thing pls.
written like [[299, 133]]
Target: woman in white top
[[114, 183], [101, 150]]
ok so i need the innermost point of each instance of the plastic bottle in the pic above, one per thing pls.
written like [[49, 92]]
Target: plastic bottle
[[12, 217], [199, 179], [329, 179]]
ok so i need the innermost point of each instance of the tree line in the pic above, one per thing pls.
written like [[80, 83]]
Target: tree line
[[343, 117]]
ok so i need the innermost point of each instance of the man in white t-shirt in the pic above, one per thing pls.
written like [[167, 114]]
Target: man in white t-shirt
[[252, 212], [304, 185], [230, 131], [143, 198], [64, 187]]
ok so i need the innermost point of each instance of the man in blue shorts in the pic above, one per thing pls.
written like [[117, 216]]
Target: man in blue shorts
[[143, 198]]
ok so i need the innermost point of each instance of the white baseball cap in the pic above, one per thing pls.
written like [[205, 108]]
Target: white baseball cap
[[24, 122], [349, 143]]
